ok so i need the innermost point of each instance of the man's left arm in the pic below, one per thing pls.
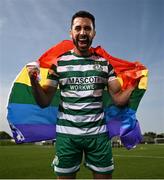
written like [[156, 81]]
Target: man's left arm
[[120, 97]]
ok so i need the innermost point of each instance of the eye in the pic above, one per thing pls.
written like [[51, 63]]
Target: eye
[[87, 28], [78, 28]]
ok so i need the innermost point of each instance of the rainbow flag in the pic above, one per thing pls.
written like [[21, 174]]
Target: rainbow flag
[[30, 123]]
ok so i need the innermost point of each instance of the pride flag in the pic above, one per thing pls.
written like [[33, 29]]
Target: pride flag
[[30, 123]]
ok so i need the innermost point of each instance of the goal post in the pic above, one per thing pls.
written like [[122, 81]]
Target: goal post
[[159, 140]]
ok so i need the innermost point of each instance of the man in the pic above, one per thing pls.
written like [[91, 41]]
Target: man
[[81, 127]]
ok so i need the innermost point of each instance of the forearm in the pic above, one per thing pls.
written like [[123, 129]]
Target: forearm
[[43, 95], [39, 94], [122, 97]]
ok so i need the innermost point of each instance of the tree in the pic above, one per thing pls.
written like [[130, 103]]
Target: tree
[[160, 135], [151, 134]]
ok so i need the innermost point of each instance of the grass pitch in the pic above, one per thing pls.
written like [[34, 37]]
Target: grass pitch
[[34, 162]]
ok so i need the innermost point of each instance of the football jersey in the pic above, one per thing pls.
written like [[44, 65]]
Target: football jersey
[[81, 81]]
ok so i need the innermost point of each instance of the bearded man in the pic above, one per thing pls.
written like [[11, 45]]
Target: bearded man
[[81, 126]]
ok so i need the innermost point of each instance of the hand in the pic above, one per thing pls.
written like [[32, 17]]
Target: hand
[[33, 71], [136, 83]]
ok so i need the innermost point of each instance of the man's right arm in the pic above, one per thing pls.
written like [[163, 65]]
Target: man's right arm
[[42, 94]]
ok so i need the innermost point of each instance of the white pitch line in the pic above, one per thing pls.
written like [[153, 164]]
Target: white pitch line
[[134, 156]]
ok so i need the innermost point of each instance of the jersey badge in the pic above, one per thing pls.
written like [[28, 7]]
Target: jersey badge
[[97, 67]]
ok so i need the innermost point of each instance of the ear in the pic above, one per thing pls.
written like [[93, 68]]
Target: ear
[[70, 33], [94, 33]]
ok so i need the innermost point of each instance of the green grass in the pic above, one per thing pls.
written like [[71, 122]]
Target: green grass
[[34, 162]]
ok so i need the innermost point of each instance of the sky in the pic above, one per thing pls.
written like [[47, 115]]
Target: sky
[[127, 29]]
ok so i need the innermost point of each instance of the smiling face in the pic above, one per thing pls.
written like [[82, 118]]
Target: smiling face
[[82, 34]]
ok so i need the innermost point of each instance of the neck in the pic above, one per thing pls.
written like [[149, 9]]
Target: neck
[[82, 53]]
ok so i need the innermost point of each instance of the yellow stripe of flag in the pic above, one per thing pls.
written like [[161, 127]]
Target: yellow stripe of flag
[[24, 78]]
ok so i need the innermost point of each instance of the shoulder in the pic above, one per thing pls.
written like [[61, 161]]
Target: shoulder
[[66, 54]]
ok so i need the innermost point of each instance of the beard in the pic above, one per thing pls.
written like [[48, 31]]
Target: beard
[[82, 43]]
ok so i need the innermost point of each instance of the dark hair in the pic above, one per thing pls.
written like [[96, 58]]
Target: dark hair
[[83, 14]]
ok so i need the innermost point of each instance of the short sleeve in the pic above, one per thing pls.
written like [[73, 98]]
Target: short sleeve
[[111, 73], [52, 76]]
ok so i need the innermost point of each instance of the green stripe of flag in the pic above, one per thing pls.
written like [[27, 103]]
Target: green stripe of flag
[[22, 94], [107, 100], [135, 98]]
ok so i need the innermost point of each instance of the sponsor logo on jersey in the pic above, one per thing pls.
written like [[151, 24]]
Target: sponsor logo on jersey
[[70, 68]]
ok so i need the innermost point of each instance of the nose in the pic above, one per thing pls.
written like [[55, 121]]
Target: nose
[[82, 32]]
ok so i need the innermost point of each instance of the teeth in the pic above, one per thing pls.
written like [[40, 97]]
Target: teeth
[[82, 39]]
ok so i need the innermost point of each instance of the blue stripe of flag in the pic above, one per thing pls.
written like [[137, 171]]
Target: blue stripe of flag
[[31, 114]]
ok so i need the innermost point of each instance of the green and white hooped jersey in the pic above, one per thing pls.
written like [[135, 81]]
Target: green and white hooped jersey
[[81, 81]]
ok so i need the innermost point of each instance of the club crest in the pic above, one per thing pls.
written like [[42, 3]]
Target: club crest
[[97, 67]]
